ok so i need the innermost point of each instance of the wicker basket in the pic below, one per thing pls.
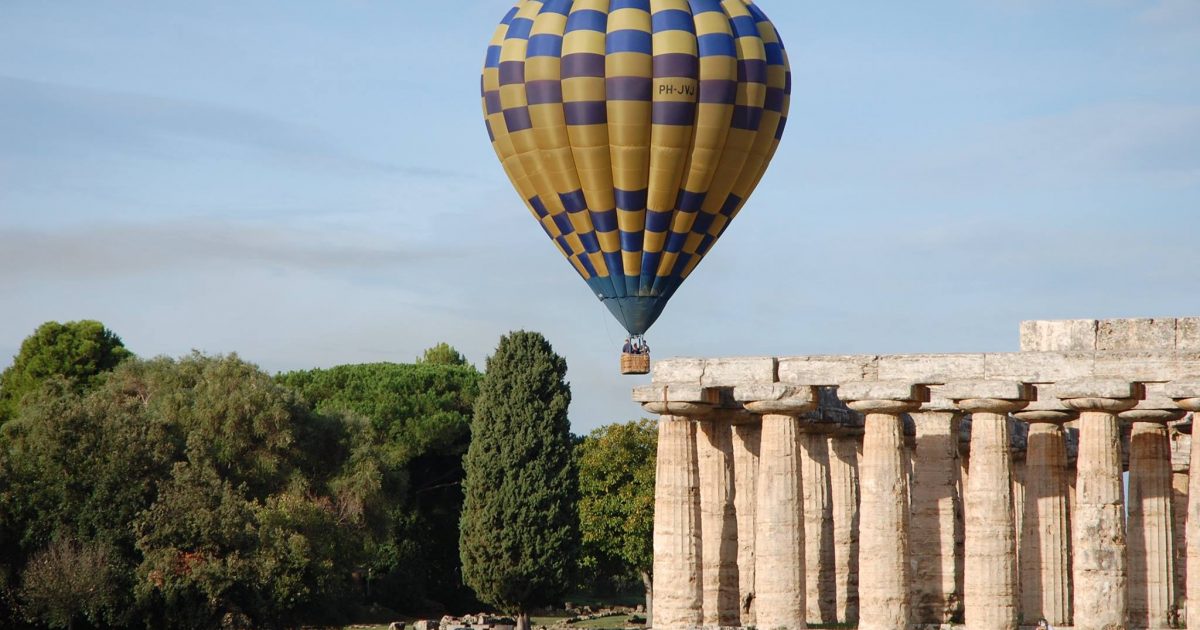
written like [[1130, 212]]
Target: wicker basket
[[635, 363]]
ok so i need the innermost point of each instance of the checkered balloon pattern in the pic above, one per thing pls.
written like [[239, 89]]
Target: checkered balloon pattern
[[635, 130]]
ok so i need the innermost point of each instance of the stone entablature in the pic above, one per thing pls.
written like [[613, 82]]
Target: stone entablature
[[848, 456]]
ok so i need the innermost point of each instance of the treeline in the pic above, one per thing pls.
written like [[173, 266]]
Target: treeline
[[202, 492]]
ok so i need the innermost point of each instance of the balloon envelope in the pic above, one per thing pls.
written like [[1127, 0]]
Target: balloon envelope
[[635, 130]]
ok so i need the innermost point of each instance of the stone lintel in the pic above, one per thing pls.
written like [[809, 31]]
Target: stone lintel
[[930, 369], [1036, 367], [828, 370], [905, 391], [1000, 390], [716, 372], [1099, 388]]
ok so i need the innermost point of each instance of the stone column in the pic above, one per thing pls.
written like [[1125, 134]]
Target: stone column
[[1187, 396], [1179, 509], [820, 591], [843, 484], [1018, 508], [1045, 565], [718, 523], [746, 440], [884, 511], [1151, 544], [1098, 524], [779, 581], [936, 525], [677, 581], [991, 551]]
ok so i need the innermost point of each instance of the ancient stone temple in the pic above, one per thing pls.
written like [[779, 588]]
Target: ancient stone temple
[[888, 492]]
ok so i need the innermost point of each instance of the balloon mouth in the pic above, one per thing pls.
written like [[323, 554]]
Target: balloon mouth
[[637, 313]]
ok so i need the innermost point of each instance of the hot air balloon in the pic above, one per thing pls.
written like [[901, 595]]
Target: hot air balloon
[[635, 130]]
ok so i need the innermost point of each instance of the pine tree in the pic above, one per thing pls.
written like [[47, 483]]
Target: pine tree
[[519, 534]]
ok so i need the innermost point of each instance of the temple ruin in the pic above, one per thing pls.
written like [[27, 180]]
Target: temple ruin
[[893, 491]]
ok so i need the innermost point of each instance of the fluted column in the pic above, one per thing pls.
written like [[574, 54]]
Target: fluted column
[[1045, 564], [1099, 541], [1018, 509], [1151, 544], [1179, 509], [718, 524], [936, 526], [991, 552], [843, 484], [779, 584], [1187, 396], [746, 441], [884, 511], [818, 527], [677, 576]]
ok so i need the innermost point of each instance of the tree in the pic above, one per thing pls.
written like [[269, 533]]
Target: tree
[[79, 351], [519, 535], [443, 354], [418, 417], [216, 494], [68, 581], [616, 502]]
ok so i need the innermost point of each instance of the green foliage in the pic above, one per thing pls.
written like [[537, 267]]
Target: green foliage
[[198, 478], [616, 503], [519, 536], [443, 354], [78, 351], [418, 420]]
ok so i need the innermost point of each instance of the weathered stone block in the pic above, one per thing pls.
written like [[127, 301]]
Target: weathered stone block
[[883, 390], [1187, 334], [930, 368], [774, 391], [1183, 388], [1002, 390], [1098, 388], [1147, 366], [677, 371], [675, 392], [828, 370], [1135, 335], [1067, 335], [738, 371], [1037, 367]]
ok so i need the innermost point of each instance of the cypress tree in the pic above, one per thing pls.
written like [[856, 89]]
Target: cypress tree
[[519, 533]]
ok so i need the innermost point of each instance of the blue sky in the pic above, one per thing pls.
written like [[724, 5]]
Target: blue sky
[[309, 184]]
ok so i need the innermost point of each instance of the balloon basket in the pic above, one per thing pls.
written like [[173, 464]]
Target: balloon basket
[[635, 363]]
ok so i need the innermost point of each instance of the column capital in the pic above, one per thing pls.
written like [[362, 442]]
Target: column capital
[[678, 408], [1047, 416], [891, 397], [989, 396], [1158, 409], [777, 399], [1185, 393], [1104, 395]]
